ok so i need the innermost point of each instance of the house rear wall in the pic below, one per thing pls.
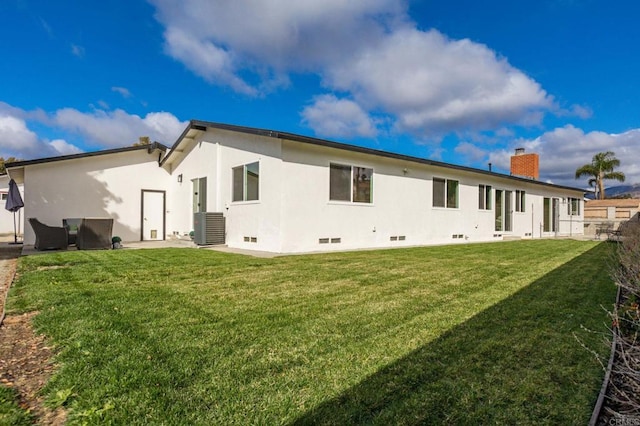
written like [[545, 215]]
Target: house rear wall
[[100, 186], [294, 211]]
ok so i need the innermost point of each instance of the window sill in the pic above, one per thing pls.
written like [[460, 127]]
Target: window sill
[[244, 203], [349, 203]]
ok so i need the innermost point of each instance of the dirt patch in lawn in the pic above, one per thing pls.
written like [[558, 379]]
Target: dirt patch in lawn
[[25, 359]]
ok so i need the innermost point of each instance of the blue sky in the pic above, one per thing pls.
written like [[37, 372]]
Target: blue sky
[[460, 81]]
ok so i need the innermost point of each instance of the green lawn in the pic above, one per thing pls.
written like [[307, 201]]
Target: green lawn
[[10, 413], [467, 334]]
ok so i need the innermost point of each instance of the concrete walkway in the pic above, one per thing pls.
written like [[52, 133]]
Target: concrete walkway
[[28, 250]]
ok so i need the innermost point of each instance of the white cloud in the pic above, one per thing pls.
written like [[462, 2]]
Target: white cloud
[[334, 117], [579, 111], [205, 59], [368, 51], [165, 126], [251, 48], [123, 91], [504, 132], [564, 149], [435, 85], [64, 148], [16, 140], [102, 104], [471, 152], [283, 34], [99, 128], [7, 110], [118, 128]]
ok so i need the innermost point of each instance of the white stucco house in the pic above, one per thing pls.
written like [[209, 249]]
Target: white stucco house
[[287, 193]]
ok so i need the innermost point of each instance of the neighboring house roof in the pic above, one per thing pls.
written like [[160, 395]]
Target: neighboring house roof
[[622, 203], [196, 126]]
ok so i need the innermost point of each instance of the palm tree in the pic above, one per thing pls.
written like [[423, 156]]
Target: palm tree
[[601, 168]]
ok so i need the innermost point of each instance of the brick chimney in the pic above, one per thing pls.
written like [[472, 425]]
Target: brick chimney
[[525, 165]]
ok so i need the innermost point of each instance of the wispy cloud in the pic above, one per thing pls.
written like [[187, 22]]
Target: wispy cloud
[[77, 50], [580, 111], [47, 28], [122, 91], [103, 105], [470, 151]]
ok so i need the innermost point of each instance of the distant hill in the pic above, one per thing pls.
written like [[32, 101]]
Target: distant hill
[[633, 191]]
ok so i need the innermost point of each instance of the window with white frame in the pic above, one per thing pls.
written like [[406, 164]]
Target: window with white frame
[[520, 201], [445, 193], [246, 182], [484, 197], [4, 196], [350, 183], [574, 206]]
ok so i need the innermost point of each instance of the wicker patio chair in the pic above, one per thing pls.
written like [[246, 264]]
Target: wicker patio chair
[[49, 237], [94, 233], [72, 225]]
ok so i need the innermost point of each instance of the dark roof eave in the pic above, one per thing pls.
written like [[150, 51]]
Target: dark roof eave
[[202, 126], [150, 148], [193, 124]]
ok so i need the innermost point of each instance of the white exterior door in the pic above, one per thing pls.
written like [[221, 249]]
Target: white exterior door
[[153, 218]]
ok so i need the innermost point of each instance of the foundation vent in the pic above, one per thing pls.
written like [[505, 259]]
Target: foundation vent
[[335, 240]]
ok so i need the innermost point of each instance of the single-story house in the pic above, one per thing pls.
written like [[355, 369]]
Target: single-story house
[[287, 193]]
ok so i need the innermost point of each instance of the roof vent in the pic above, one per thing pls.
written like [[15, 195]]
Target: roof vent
[[519, 151]]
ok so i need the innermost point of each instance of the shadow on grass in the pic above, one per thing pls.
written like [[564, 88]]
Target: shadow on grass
[[517, 362]]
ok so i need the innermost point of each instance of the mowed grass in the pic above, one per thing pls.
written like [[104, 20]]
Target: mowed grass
[[465, 334], [10, 412]]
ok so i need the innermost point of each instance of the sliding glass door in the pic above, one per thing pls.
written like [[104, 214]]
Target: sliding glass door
[[504, 212]]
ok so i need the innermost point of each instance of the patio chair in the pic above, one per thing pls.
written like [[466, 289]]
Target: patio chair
[[49, 237], [94, 234], [72, 225]]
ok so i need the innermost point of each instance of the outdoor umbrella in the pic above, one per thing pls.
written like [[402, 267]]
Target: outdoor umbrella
[[14, 203]]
